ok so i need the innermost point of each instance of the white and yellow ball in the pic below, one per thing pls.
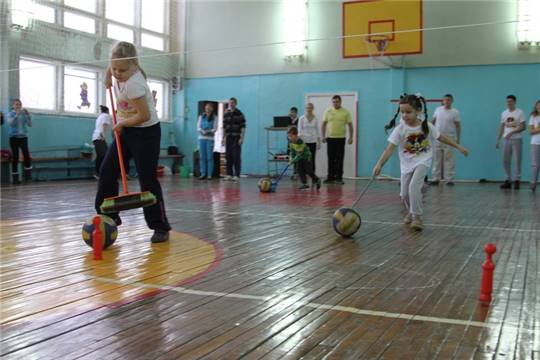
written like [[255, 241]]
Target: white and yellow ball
[[346, 222], [108, 229]]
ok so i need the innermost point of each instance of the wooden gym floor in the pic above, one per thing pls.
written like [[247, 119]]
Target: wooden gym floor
[[251, 275]]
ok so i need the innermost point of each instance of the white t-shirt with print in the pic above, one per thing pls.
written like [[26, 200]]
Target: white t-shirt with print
[[134, 88], [535, 121], [446, 120], [102, 119], [415, 148], [512, 119]]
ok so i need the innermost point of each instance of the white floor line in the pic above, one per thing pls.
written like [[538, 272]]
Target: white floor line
[[352, 310], [288, 216]]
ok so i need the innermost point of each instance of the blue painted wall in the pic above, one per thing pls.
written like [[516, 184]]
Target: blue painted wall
[[479, 91], [50, 130], [57, 130]]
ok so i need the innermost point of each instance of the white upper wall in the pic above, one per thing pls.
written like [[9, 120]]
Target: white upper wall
[[233, 37]]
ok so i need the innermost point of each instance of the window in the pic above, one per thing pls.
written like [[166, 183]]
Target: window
[[79, 22], [152, 42], [43, 13], [529, 22], [23, 12], [37, 84], [120, 10], [119, 33], [160, 92], [80, 90], [85, 5], [153, 15], [294, 27]]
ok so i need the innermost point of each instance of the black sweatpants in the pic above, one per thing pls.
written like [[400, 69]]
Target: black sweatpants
[[101, 150], [233, 154], [17, 143], [141, 144], [305, 167], [336, 154], [313, 148]]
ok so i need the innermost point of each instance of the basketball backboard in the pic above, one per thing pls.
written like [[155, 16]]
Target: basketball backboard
[[365, 22]]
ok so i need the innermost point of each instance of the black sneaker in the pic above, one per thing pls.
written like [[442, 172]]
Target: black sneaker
[[434, 182], [516, 185], [329, 181], [202, 177], [303, 187], [160, 236], [339, 181], [450, 183], [318, 184], [506, 185]]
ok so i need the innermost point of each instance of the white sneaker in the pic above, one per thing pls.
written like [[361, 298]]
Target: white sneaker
[[408, 219], [227, 178], [235, 178], [417, 223]]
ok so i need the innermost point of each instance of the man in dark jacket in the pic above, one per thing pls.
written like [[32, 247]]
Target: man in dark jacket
[[234, 128]]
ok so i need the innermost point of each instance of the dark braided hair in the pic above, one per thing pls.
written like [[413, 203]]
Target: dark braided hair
[[418, 103], [392, 122], [425, 126]]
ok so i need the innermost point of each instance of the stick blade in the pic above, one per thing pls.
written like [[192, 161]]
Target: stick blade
[[127, 202]]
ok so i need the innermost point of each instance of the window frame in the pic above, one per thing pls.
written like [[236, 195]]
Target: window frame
[[99, 91], [101, 21]]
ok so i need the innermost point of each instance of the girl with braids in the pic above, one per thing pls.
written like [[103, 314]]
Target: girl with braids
[[392, 124], [415, 139], [140, 133]]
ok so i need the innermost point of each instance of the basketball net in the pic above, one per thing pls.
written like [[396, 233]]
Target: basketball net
[[376, 46]]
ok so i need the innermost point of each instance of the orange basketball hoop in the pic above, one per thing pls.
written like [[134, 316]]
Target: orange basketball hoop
[[380, 41]]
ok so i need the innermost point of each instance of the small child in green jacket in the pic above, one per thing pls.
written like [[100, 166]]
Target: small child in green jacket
[[301, 155]]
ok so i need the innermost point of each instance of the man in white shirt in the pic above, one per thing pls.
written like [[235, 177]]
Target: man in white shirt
[[99, 137], [512, 126], [448, 121]]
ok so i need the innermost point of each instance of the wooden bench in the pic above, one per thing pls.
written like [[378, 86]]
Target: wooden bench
[[176, 160], [71, 162]]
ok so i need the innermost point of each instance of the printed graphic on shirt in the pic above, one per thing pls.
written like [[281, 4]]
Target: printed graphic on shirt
[[416, 143], [123, 105], [510, 122]]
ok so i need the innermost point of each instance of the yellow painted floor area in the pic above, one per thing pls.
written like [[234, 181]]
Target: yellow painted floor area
[[47, 269]]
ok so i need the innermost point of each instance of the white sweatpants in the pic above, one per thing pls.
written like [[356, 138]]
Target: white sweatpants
[[411, 189], [512, 147], [444, 164]]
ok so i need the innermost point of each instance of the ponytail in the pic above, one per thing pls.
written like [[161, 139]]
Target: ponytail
[[425, 125], [392, 122], [141, 70]]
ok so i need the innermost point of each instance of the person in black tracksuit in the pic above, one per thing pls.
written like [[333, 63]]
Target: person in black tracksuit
[[234, 128]]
